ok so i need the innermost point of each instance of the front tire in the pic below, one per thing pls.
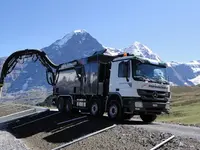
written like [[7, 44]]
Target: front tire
[[115, 110], [148, 118]]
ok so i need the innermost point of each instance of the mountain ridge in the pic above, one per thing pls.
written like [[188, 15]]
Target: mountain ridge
[[80, 43]]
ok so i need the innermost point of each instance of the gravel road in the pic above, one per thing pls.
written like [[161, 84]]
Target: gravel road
[[46, 134], [128, 137], [178, 130]]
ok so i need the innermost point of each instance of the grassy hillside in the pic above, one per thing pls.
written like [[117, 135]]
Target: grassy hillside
[[185, 106]]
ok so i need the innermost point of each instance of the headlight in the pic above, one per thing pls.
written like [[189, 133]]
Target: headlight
[[167, 106]]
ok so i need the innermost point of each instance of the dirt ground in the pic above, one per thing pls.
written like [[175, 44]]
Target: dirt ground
[[7, 109]]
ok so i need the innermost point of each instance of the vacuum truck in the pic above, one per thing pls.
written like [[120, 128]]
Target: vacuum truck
[[121, 86]]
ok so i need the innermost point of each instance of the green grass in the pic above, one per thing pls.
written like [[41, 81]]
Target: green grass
[[185, 106]]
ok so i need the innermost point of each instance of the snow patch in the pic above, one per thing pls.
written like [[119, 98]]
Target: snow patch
[[112, 51], [59, 43], [185, 83], [80, 31], [172, 84], [141, 50], [139, 46], [195, 80], [194, 65], [168, 64], [64, 40]]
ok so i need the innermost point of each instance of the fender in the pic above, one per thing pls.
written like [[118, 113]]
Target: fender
[[114, 94]]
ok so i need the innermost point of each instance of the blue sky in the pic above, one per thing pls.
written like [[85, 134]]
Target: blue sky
[[170, 28]]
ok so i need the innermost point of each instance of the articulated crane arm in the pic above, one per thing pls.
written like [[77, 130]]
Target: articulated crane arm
[[17, 56]]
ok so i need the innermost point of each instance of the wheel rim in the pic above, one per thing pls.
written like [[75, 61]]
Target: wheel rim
[[94, 109], [113, 111]]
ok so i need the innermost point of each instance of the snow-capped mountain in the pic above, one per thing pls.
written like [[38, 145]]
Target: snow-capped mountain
[[76, 44], [80, 43], [184, 73], [142, 50], [112, 51]]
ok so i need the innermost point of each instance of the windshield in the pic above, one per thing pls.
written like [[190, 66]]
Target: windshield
[[150, 72]]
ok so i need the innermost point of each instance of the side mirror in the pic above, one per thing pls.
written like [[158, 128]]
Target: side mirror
[[79, 75], [79, 70], [127, 73], [50, 77]]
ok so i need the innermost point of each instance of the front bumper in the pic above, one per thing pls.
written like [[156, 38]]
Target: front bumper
[[146, 107]]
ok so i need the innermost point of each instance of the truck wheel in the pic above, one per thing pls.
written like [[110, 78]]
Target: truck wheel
[[95, 108], [148, 118], [60, 104], [114, 110], [68, 106]]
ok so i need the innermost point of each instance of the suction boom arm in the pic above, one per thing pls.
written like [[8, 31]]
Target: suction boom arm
[[15, 58]]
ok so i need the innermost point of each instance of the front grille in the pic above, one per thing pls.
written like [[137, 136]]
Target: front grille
[[153, 95]]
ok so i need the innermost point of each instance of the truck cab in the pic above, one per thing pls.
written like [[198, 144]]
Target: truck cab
[[141, 85]]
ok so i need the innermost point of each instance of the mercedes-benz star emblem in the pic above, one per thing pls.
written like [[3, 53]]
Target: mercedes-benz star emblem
[[155, 94]]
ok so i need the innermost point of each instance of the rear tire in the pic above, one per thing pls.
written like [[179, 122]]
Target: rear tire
[[115, 110], [60, 104], [64, 105], [148, 118], [67, 106], [96, 108]]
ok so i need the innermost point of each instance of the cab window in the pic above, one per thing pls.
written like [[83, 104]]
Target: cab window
[[124, 69]]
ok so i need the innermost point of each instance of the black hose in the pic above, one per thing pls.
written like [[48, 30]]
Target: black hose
[[12, 60]]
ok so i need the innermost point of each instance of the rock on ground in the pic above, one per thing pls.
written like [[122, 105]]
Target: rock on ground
[[9, 142]]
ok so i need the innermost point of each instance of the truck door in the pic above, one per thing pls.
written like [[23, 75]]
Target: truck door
[[121, 78]]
